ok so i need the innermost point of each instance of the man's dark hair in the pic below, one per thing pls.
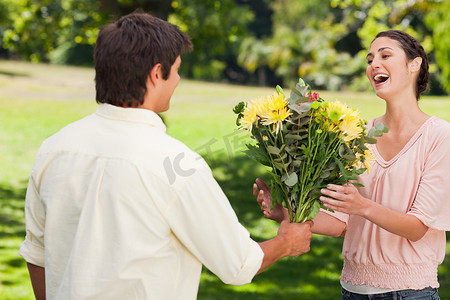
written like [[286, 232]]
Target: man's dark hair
[[127, 50]]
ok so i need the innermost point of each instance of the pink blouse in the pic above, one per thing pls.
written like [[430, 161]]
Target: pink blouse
[[414, 182]]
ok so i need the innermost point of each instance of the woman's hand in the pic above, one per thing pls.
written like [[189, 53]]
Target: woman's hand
[[346, 199], [278, 213]]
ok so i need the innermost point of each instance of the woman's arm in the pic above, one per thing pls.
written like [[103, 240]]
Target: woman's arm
[[326, 224], [348, 200]]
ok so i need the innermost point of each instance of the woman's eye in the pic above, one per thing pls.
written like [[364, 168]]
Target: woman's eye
[[369, 61], [385, 56]]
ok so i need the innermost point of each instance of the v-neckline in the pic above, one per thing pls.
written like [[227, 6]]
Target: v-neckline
[[386, 163]]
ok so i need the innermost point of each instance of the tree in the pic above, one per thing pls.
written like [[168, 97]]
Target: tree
[[44, 30], [439, 22], [303, 44], [216, 29], [65, 31]]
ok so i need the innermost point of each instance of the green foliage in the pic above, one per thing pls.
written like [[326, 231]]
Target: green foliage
[[302, 45], [324, 41], [216, 29], [439, 22], [52, 30]]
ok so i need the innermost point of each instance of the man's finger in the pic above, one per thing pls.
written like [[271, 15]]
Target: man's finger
[[262, 185]]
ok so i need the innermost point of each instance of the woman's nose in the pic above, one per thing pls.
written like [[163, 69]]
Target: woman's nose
[[375, 63]]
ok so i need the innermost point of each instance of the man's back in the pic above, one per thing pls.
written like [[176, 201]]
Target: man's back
[[108, 196]]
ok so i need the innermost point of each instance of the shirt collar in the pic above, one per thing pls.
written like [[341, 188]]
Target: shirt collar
[[129, 114]]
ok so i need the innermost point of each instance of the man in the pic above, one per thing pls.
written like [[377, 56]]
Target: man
[[104, 220]]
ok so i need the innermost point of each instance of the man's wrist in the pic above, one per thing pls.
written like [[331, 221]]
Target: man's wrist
[[282, 242]]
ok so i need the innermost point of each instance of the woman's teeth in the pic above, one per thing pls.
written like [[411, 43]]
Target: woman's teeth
[[380, 77]]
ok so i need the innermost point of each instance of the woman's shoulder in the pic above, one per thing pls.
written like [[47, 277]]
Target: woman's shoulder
[[436, 135], [439, 127]]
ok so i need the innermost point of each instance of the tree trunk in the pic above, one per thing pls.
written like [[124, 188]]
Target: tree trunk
[[262, 78]]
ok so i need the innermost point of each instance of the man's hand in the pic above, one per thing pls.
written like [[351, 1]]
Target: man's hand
[[297, 237], [293, 239]]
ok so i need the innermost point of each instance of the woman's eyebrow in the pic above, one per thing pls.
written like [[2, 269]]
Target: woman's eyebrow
[[379, 50]]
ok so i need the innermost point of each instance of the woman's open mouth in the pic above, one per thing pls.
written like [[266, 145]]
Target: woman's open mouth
[[380, 78]]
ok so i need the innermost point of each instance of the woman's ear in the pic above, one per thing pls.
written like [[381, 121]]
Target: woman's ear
[[415, 64]]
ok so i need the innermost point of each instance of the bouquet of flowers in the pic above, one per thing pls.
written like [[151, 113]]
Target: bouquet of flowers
[[308, 143]]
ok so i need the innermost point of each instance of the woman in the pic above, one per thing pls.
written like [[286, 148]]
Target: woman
[[395, 225]]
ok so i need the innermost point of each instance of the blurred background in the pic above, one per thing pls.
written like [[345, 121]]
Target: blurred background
[[243, 48], [257, 42]]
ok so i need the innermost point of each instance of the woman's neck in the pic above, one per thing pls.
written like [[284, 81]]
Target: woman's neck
[[403, 114]]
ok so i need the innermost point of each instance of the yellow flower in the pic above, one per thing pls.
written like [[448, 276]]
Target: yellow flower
[[249, 117], [348, 124], [261, 106], [350, 128], [338, 108], [277, 102], [364, 160], [276, 118], [271, 110]]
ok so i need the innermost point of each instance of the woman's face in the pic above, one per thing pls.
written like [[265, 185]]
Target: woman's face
[[388, 70]]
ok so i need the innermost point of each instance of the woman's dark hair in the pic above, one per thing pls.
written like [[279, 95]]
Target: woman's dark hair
[[127, 50], [412, 49]]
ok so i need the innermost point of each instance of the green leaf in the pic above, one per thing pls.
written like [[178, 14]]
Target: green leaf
[[294, 97], [378, 133], [349, 156], [325, 174], [291, 179], [314, 210], [302, 87], [293, 136], [279, 165], [295, 107], [273, 150], [315, 105], [258, 154], [279, 90], [297, 163], [239, 108], [370, 140], [277, 193], [282, 158], [305, 107], [380, 126], [342, 150], [360, 171]]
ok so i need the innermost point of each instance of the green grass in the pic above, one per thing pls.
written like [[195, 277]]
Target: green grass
[[37, 100]]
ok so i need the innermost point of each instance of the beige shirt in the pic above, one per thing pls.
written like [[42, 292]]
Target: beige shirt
[[117, 209]]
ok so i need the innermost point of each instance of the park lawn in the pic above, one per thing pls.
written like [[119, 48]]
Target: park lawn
[[37, 100]]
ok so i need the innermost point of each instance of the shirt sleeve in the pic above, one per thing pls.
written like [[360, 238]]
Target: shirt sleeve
[[32, 248], [432, 202], [204, 221]]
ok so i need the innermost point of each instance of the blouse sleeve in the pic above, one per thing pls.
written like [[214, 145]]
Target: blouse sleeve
[[432, 203]]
